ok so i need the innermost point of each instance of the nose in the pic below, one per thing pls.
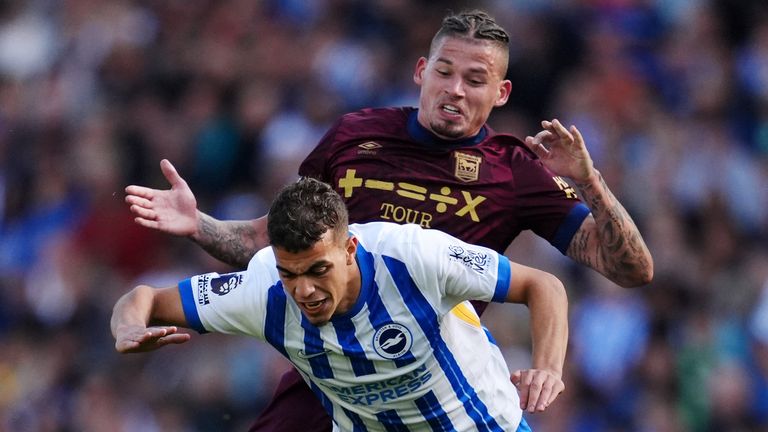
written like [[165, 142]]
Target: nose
[[455, 88], [304, 287]]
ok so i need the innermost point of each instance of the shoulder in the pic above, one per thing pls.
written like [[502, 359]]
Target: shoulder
[[509, 144], [370, 120], [385, 237], [263, 265]]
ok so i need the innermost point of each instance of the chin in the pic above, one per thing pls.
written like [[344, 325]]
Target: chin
[[448, 132]]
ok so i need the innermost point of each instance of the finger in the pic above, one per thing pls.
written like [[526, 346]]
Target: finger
[[143, 212], [536, 147], [560, 130], [146, 223], [544, 397], [139, 201], [170, 173], [559, 387], [178, 338], [523, 388], [515, 378], [139, 191], [534, 392], [577, 135]]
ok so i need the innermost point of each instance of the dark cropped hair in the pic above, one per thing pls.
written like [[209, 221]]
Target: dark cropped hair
[[302, 212], [472, 24]]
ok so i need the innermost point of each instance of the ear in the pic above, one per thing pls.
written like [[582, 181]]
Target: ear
[[505, 89], [351, 249], [418, 73]]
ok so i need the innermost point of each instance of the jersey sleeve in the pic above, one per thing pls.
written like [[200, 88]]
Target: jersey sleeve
[[546, 203], [233, 303], [450, 271]]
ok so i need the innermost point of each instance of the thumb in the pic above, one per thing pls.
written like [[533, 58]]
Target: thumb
[[170, 173], [515, 378]]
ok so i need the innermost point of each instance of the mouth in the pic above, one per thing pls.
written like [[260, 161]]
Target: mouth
[[449, 109], [313, 306]]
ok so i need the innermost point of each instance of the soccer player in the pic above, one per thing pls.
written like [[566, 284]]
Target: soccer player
[[440, 166], [373, 316]]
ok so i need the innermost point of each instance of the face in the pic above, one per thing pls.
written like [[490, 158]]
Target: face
[[461, 82], [323, 280]]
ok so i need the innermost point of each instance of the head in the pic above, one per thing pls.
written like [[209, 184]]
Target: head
[[315, 255], [463, 78]]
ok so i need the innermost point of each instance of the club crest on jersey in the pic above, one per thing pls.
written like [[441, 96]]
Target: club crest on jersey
[[392, 341], [467, 166], [225, 283]]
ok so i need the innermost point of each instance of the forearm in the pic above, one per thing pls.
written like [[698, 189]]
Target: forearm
[[233, 242], [611, 244], [548, 304]]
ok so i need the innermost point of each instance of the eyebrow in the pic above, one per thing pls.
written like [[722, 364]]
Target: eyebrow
[[480, 70], [310, 270]]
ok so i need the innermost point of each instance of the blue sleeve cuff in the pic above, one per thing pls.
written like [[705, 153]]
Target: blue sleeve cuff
[[502, 280], [568, 228], [188, 304]]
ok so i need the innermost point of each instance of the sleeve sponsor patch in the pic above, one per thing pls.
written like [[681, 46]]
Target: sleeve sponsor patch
[[476, 260]]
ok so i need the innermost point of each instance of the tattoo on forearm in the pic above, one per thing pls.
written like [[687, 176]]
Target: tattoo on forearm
[[231, 242], [621, 254]]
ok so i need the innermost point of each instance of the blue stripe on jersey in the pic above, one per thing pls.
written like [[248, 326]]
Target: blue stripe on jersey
[[391, 421], [313, 346], [571, 224], [327, 404], [502, 280], [274, 323], [523, 426], [345, 334], [434, 414], [377, 312], [357, 422], [426, 317], [489, 336], [188, 305]]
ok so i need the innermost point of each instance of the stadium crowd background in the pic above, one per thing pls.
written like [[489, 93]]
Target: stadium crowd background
[[672, 97]]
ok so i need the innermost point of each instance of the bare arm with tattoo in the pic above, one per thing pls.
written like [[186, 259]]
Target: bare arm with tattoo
[[608, 240], [175, 211]]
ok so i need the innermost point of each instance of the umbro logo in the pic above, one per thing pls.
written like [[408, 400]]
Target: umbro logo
[[368, 148], [303, 354]]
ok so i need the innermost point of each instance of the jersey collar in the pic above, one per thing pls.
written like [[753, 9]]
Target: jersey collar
[[424, 136]]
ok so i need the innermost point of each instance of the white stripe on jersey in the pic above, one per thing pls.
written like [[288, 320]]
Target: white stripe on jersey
[[400, 357]]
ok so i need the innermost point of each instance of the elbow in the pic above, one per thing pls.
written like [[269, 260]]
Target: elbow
[[557, 289], [641, 276]]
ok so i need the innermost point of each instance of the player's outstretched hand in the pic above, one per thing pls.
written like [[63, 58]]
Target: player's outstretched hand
[[538, 388], [137, 339], [173, 211], [562, 150]]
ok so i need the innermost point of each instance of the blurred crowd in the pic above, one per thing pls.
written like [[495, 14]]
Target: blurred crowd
[[671, 95]]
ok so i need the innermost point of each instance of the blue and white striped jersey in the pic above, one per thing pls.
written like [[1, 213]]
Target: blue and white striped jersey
[[410, 354]]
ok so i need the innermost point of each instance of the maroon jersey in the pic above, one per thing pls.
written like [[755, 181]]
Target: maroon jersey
[[484, 190]]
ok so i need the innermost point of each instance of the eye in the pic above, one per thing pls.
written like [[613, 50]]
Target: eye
[[319, 271], [442, 72]]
